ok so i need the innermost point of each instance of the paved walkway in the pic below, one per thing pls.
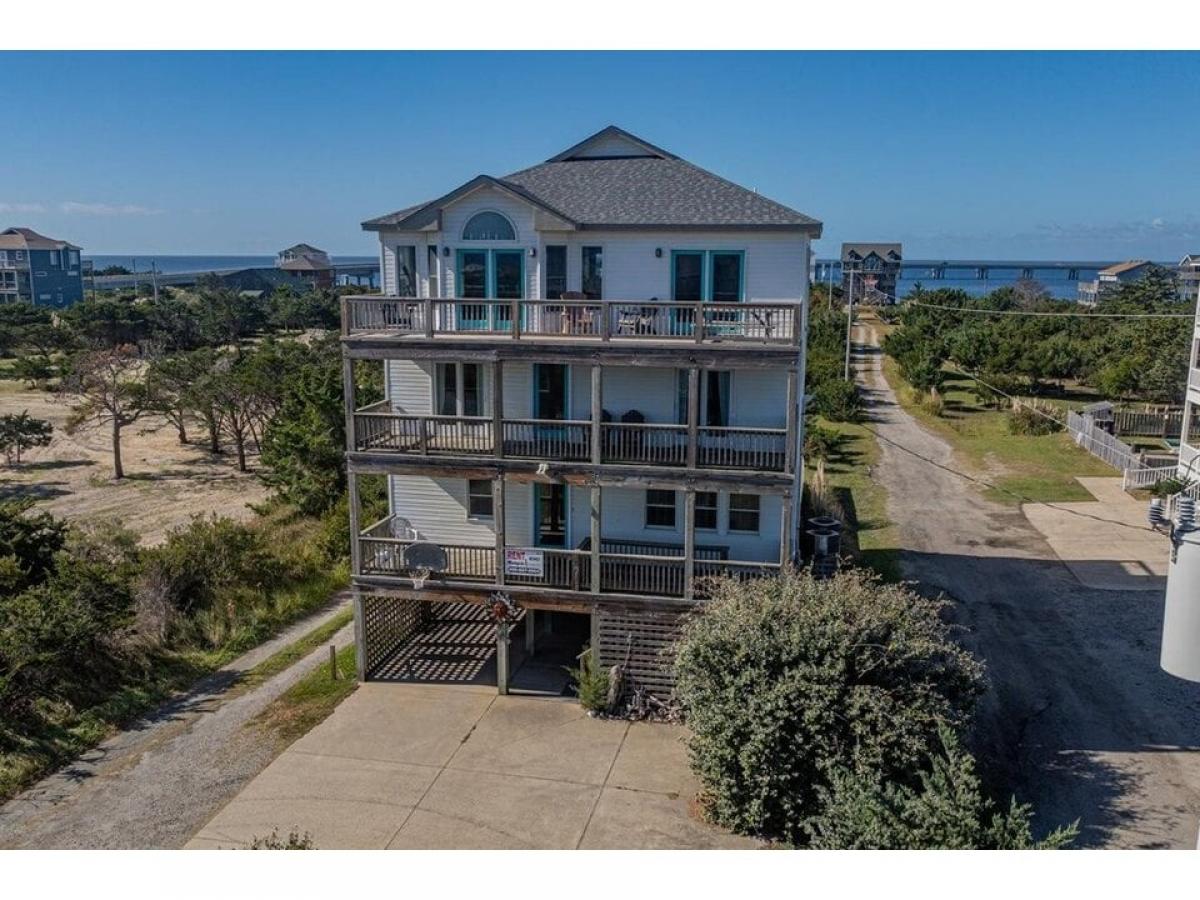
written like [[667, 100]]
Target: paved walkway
[[1080, 720], [154, 784], [410, 766], [1106, 542]]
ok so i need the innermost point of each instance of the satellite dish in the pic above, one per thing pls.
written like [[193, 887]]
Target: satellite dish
[[422, 558]]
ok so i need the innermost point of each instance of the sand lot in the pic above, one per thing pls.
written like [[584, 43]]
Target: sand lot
[[166, 483]]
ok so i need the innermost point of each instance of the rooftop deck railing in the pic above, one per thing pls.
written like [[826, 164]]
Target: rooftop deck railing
[[626, 567], [379, 430], [776, 322]]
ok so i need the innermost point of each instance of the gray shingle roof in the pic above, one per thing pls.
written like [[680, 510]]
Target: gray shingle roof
[[28, 239], [865, 250], [655, 190]]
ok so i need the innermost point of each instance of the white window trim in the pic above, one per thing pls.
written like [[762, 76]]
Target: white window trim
[[475, 517], [674, 526], [460, 394], [729, 515]]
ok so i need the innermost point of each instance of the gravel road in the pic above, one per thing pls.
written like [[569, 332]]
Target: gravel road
[[1080, 721], [155, 784]]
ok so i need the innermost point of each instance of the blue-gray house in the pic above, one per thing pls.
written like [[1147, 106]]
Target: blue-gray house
[[39, 270]]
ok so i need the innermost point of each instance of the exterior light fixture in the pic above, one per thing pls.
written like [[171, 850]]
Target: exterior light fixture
[[445, 251], [533, 252], [658, 252]]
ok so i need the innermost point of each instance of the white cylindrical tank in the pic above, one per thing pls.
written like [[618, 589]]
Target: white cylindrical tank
[[1181, 617]]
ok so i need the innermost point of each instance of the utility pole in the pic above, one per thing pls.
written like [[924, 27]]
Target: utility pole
[[849, 319], [154, 278]]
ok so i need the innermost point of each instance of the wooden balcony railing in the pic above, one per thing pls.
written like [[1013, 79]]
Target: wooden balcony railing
[[378, 430], [599, 320], [626, 567]]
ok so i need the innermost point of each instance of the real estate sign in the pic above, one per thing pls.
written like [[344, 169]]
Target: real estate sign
[[531, 563]]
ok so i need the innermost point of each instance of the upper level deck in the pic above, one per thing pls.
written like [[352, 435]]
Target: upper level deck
[[436, 326]]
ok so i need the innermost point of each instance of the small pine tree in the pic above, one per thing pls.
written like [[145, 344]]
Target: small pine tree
[[19, 432]]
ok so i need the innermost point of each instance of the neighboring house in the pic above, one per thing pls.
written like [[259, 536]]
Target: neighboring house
[[1108, 280], [592, 400], [263, 281], [307, 263], [1188, 278], [870, 271], [39, 270]]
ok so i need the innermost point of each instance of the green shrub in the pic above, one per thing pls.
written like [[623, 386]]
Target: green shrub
[[199, 561], [1032, 419], [837, 400], [946, 809], [591, 683], [786, 681], [820, 443]]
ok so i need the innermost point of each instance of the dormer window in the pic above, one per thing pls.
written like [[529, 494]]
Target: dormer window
[[489, 226]]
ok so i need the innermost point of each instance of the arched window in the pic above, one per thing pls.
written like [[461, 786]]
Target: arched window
[[489, 226]]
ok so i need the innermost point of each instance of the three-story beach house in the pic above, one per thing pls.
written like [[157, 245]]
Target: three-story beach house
[[593, 374]]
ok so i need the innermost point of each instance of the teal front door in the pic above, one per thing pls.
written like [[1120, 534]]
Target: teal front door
[[489, 275]]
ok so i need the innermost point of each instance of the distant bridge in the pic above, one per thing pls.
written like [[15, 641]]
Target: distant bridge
[[347, 273], [980, 269]]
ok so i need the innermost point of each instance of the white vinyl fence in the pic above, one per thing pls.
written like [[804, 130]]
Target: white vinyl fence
[[1101, 444]]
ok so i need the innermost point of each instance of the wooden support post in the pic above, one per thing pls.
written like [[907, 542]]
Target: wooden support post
[[360, 639], [429, 317], [333, 669], [515, 312], [698, 325], [423, 440], [498, 408], [348, 395], [498, 520], [595, 538], [597, 411], [345, 312], [693, 416], [689, 543], [594, 637], [355, 525], [786, 526], [789, 465], [530, 631], [605, 320], [502, 630]]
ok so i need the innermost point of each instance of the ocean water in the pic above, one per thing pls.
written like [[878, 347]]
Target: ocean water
[[169, 264], [981, 276]]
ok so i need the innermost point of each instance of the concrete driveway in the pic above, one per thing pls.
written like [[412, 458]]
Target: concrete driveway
[[410, 766], [1106, 543]]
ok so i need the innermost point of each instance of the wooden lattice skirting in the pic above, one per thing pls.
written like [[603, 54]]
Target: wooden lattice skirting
[[644, 644], [388, 623]]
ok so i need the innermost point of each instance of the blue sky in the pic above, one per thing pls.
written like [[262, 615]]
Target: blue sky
[[1047, 156]]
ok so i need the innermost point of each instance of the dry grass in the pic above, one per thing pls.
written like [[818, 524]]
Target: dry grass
[[166, 483]]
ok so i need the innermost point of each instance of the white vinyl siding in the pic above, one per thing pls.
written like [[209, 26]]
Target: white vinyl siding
[[437, 509]]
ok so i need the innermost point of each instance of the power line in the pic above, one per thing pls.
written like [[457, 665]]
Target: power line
[[984, 483]]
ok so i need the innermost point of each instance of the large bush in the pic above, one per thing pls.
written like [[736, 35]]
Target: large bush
[[787, 681], [837, 400], [946, 809]]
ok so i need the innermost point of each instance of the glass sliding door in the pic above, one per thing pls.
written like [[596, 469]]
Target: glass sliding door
[[472, 284], [508, 277], [489, 275], [550, 510], [687, 286]]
